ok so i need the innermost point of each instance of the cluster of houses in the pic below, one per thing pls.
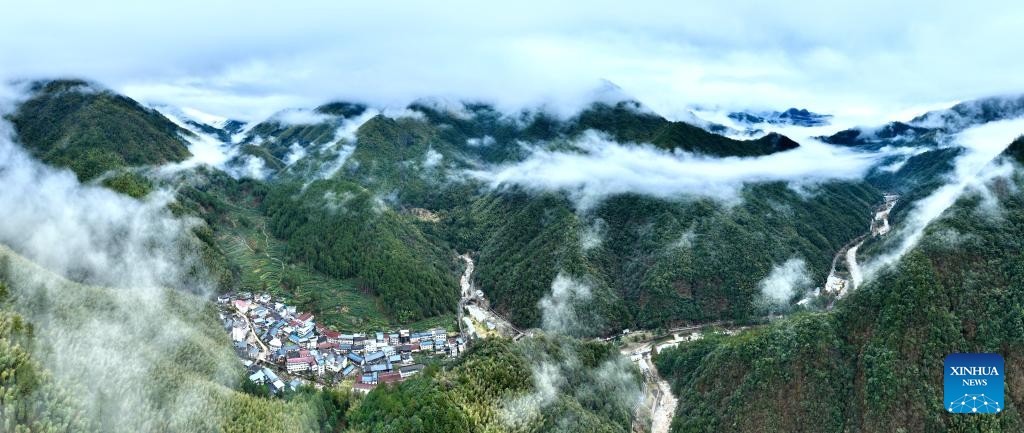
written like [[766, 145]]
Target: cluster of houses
[[276, 340]]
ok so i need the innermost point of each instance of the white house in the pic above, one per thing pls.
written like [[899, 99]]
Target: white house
[[295, 365]]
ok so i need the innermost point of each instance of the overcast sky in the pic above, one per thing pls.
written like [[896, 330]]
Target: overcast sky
[[867, 59]]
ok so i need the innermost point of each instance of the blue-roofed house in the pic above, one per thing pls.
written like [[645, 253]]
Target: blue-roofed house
[[356, 359], [374, 356], [320, 364], [348, 370], [369, 378]]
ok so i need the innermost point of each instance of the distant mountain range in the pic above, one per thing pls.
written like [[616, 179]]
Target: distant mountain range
[[924, 128], [792, 116]]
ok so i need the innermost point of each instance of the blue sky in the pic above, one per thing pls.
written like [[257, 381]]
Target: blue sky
[[869, 60]]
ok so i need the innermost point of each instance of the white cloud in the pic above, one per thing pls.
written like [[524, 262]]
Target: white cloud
[[606, 168], [872, 57], [300, 116], [486, 140], [785, 280], [251, 167], [432, 158], [295, 153], [560, 309], [205, 149], [972, 170]]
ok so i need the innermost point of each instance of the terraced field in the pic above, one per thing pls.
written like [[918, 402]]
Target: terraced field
[[337, 303]]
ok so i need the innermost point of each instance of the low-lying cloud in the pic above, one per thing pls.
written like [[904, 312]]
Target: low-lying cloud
[[973, 169], [561, 309], [604, 167], [111, 340], [785, 280]]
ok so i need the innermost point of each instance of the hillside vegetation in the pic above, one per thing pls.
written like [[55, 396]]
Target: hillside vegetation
[[873, 364], [74, 124], [179, 375]]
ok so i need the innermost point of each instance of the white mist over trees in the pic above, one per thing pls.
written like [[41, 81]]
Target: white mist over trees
[[117, 346]]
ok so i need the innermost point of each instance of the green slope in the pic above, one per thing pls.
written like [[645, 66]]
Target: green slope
[[492, 389], [874, 363], [175, 368], [73, 124], [346, 231], [626, 122], [659, 262]]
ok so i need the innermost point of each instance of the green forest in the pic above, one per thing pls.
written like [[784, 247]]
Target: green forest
[[872, 363], [73, 124], [365, 233]]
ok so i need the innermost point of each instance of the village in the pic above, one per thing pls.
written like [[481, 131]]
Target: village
[[284, 348]]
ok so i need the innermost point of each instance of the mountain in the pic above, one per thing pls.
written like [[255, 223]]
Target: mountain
[[78, 125], [792, 116], [525, 238], [357, 214], [657, 262], [178, 352], [870, 365], [924, 128], [627, 122], [491, 388], [898, 132]]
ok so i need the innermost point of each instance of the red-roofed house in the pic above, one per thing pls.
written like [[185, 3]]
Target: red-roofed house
[[242, 306], [332, 336], [389, 377]]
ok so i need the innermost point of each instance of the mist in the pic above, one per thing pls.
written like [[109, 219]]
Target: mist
[[108, 317], [784, 281], [973, 169], [603, 167], [611, 384], [559, 309]]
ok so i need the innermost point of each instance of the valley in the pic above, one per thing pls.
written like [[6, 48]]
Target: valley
[[838, 286], [383, 272]]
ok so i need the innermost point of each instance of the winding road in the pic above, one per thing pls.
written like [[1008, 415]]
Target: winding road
[[840, 286]]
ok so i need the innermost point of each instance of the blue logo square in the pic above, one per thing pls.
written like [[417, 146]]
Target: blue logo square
[[973, 383]]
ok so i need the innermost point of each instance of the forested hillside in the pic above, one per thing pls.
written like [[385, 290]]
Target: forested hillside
[[496, 387], [694, 259], [345, 231], [178, 376], [352, 221], [75, 124], [873, 363]]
